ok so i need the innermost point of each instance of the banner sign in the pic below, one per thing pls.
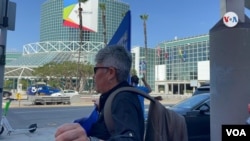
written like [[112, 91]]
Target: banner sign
[[89, 14]]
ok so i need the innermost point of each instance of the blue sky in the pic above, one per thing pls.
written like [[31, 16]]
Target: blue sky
[[167, 19]]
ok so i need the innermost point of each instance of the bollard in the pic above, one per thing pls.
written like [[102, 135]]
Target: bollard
[[19, 97]]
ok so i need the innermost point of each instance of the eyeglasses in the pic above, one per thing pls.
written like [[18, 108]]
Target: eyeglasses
[[96, 68]]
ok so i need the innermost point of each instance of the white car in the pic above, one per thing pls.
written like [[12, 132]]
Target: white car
[[69, 93]]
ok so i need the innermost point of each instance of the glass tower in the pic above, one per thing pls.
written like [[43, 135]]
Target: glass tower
[[60, 43], [52, 28]]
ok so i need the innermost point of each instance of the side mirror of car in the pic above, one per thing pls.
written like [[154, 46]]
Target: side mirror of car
[[204, 109]]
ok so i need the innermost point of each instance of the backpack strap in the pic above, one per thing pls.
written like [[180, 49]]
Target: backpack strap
[[107, 107]]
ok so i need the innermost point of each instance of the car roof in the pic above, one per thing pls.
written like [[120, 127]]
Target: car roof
[[201, 90], [203, 94], [204, 87], [193, 100]]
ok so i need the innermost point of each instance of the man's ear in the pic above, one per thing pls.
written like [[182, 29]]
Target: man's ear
[[112, 74]]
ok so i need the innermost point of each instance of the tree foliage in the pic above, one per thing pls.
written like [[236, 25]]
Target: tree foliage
[[63, 75]]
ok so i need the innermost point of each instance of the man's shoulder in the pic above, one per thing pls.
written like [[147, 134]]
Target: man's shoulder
[[125, 94], [129, 92], [125, 97]]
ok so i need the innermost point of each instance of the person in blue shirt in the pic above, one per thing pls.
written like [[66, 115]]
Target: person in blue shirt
[[145, 87]]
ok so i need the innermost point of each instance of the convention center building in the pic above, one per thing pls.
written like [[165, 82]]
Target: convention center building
[[171, 66]]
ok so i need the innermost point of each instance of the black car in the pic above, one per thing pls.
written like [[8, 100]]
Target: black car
[[202, 89], [7, 93], [196, 111]]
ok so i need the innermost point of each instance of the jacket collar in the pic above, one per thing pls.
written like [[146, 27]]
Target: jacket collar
[[105, 96]]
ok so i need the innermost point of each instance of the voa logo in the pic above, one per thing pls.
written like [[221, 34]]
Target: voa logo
[[236, 132], [230, 19]]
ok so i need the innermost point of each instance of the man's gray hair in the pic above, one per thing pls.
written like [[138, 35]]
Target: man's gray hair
[[118, 57]]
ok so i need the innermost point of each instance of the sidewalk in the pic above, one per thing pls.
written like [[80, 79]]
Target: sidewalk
[[41, 134]]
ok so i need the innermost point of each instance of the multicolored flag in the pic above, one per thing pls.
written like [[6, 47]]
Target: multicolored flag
[[166, 55], [158, 51], [181, 55], [184, 56]]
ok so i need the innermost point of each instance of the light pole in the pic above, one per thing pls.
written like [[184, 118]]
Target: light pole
[[7, 22], [79, 51]]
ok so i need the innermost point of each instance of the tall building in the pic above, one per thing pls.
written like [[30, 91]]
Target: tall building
[[52, 28], [60, 43]]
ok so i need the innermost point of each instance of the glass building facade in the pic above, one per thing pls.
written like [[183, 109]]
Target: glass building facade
[[144, 65], [52, 28], [60, 43], [172, 65], [179, 59]]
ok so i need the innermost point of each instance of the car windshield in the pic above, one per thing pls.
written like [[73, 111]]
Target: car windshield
[[192, 101]]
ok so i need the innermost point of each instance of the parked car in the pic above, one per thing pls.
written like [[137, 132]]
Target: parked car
[[69, 93], [202, 89], [7, 93], [41, 89], [196, 111]]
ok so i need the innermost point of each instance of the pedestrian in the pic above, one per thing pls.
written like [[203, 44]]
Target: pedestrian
[[145, 87], [111, 71]]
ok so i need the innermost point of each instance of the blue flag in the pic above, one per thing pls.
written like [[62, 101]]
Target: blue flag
[[122, 35]]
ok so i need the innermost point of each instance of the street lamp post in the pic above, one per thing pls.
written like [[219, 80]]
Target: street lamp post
[[7, 22], [79, 49]]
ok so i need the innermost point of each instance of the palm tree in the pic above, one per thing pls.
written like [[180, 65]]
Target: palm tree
[[103, 8], [145, 18], [81, 39]]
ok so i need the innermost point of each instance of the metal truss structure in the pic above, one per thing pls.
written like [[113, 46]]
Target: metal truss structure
[[40, 53], [62, 46]]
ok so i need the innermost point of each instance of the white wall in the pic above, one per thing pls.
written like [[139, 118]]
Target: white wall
[[136, 50], [160, 72], [204, 70]]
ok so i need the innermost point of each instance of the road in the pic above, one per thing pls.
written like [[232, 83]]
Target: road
[[23, 114], [20, 118]]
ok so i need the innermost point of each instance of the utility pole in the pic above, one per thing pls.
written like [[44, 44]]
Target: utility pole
[[7, 22]]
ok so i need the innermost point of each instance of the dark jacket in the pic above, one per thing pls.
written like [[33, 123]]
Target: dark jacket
[[127, 116]]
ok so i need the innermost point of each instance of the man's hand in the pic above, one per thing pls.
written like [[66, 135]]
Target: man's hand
[[71, 132], [159, 98], [143, 77], [145, 83]]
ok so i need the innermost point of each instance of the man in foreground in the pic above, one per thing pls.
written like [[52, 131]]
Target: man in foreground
[[112, 69]]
